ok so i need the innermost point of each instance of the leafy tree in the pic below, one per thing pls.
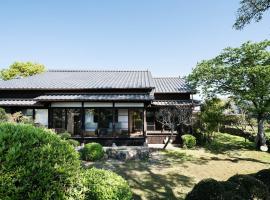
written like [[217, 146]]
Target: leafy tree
[[212, 114], [243, 73], [174, 116], [23, 69], [250, 10]]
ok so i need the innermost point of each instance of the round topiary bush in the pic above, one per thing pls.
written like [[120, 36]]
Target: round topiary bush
[[189, 140], [105, 185], [254, 188], [92, 152], [37, 164], [264, 176], [205, 190]]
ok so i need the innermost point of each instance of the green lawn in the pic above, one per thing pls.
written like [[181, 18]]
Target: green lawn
[[171, 174]]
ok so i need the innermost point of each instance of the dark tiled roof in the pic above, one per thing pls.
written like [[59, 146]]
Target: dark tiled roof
[[95, 97], [82, 79], [171, 85]]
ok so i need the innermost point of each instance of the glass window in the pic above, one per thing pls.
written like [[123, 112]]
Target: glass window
[[121, 122], [105, 122], [58, 119], [74, 121], [91, 122], [136, 122], [41, 116], [150, 120]]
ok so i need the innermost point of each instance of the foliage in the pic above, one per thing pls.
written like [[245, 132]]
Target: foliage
[[3, 115], [243, 73], [205, 190], [188, 140], [264, 176], [106, 185], [224, 142], [22, 69], [65, 135], [212, 114], [254, 188], [18, 117], [92, 152], [74, 143], [173, 117], [250, 10], [236, 187], [37, 164]]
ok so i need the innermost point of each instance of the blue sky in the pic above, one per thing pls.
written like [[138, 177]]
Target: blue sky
[[167, 37]]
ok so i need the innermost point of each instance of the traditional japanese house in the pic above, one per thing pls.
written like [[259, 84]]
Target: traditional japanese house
[[101, 106]]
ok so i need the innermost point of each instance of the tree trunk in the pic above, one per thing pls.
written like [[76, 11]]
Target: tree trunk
[[260, 140], [170, 137]]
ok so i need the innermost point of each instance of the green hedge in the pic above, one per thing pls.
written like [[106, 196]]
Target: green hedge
[[189, 141], [37, 164], [105, 185], [264, 176], [92, 152]]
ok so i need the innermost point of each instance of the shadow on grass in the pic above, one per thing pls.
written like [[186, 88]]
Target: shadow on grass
[[145, 179], [224, 143]]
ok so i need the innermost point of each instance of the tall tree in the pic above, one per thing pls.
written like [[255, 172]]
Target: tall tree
[[174, 116], [23, 69], [243, 73], [250, 10]]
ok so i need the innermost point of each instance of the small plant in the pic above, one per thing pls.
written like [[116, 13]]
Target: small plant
[[92, 152], [65, 135], [74, 143], [189, 141], [3, 115], [105, 185]]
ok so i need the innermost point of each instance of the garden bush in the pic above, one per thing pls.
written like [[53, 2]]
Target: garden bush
[[74, 143], [206, 189], [254, 188], [92, 152], [264, 176], [189, 140], [65, 135], [3, 115], [37, 164], [105, 185]]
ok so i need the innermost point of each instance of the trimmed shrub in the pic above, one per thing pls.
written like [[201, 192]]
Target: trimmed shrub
[[37, 164], [74, 143], [189, 140], [205, 190], [264, 176], [254, 188], [92, 152], [105, 185], [65, 135]]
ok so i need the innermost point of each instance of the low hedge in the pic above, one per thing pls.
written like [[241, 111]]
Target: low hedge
[[189, 141], [37, 164], [92, 152], [105, 185]]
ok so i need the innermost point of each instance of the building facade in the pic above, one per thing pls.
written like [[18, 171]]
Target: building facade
[[101, 106]]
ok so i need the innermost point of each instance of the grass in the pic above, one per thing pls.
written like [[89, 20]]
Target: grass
[[171, 174]]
